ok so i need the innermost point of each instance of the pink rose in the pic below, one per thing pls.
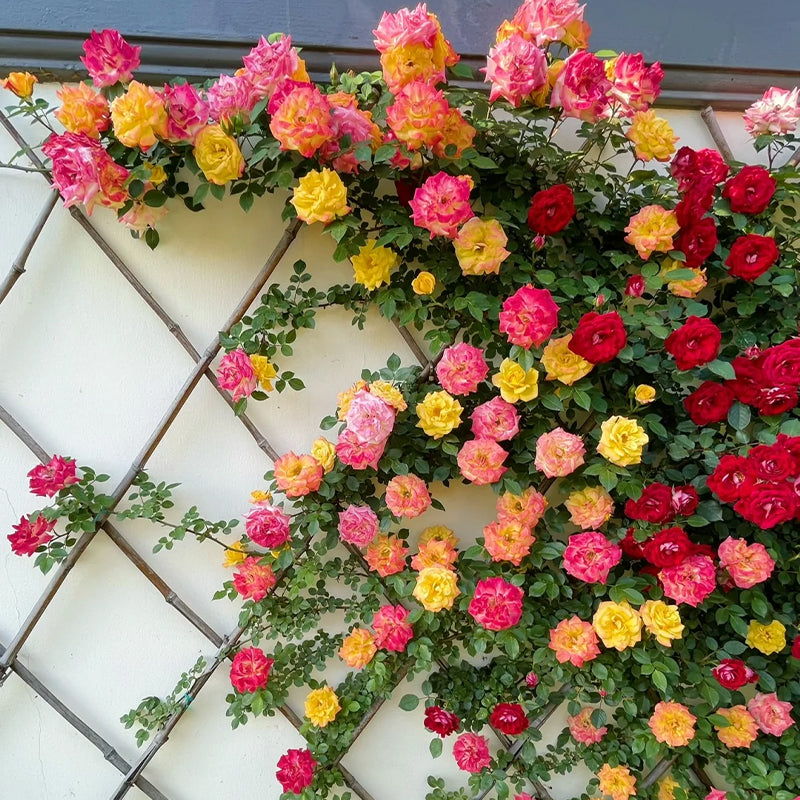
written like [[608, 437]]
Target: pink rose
[[636, 85], [526, 508], [591, 556], [496, 604], [351, 451], [546, 21], [495, 419], [236, 374], [358, 525], [407, 496], [583, 730], [405, 28], [691, 581], [748, 565], [582, 88], [481, 461], [109, 58], [529, 317], [47, 480], [771, 715], [559, 453], [471, 752], [461, 369], [295, 770], [253, 580], [777, 112], [516, 68], [30, 534], [392, 630], [187, 112], [269, 64], [267, 526], [250, 670], [442, 204], [369, 418]]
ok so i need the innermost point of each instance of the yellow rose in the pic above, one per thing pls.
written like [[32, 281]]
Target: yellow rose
[[157, 173], [652, 136], [320, 196], [20, 83], [438, 414], [667, 787], [325, 452], [436, 588], [688, 287], [265, 372], [562, 364], [389, 393], [358, 648], [424, 283], [768, 639], [438, 533], [257, 496], [617, 624], [139, 116], [373, 266], [218, 155], [234, 554], [644, 394], [516, 383], [662, 620], [622, 441], [322, 706]]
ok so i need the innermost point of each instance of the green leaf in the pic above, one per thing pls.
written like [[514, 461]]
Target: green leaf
[[739, 416], [408, 702], [435, 747], [154, 198]]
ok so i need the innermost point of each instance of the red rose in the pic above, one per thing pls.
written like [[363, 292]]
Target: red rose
[[796, 647], [749, 379], [771, 463], [694, 343], [668, 548], [733, 673], [405, 192], [296, 770], [551, 209], [750, 190], [250, 669], [731, 479], [599, 337], [655, 505], [752, 255], [690, 167], [684, 500], [772, 400], [781, 364], [635, 286], [792, 445], [709, 403], [440, 721], [768, 504], [509, 718], [695, 203], [697, 242], [630, 546]]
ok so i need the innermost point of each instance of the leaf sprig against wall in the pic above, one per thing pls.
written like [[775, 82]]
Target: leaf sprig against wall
[[607, 336]]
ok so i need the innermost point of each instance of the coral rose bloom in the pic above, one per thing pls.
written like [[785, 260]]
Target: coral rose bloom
[[471, 752], [559, 453], [574, 640], [250, 670], [407, 496], [47, 480], [496, 604], [481, 461], [298, 475], [673, 724]]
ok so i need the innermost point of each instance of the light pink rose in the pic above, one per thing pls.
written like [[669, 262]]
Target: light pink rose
[[691, 581], [358, 525], [582, 88], [229, 97], [407, 496], [187, 112], [109, 58], [748, 565], [236, 374], [461, 369], [559, 453], [777, 112], [481, 461], [771, 715], [716, 794], [529, 317], [589, 508], [357, 454], [369, 418], [267, 526], [591, 556], [516, 68], [140, 217], [442, 204], [471, 752], [495, 419], [269, 64]]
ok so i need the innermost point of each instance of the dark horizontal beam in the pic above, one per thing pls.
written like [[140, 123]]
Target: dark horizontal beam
[[55, 55]]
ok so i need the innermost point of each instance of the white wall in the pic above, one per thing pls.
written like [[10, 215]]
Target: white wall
[[88, 369]]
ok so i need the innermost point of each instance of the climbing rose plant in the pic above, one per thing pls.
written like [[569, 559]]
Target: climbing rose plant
[[615, 353]]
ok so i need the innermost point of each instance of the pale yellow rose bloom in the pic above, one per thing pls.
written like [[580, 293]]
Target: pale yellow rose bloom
[[320, 196], [652, 136], [436, 588], [218, 155], [617, 624], [516, 383], [325, 452], [644, 394], [322, 706], [439, 413], [562, 364], [662, 620], [622, 441], [373, 265], [768, 639], [264, 371]]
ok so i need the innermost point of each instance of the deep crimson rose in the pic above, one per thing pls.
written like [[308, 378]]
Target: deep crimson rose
[[405, 192], [792, 445], [635, 286], [733, 673], [750, 190], [655, 505], [696, 342], [599, 337], [731, 479], [781, 364], [509, 718], [668, 548], [771, 462], [693, 166], [296, 770], [630, 546], [697, 242], [773, 400], [749, 379], [768, 504], [250, 669], [709, 403], [796, 647], [551, 209], [440, 721], [751, 256], [695, 203], [684, 500]]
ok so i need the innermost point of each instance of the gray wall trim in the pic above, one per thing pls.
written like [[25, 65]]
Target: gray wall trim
[[55, 55]]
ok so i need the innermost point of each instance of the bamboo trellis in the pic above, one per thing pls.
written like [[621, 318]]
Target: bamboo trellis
[[8, 654]]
